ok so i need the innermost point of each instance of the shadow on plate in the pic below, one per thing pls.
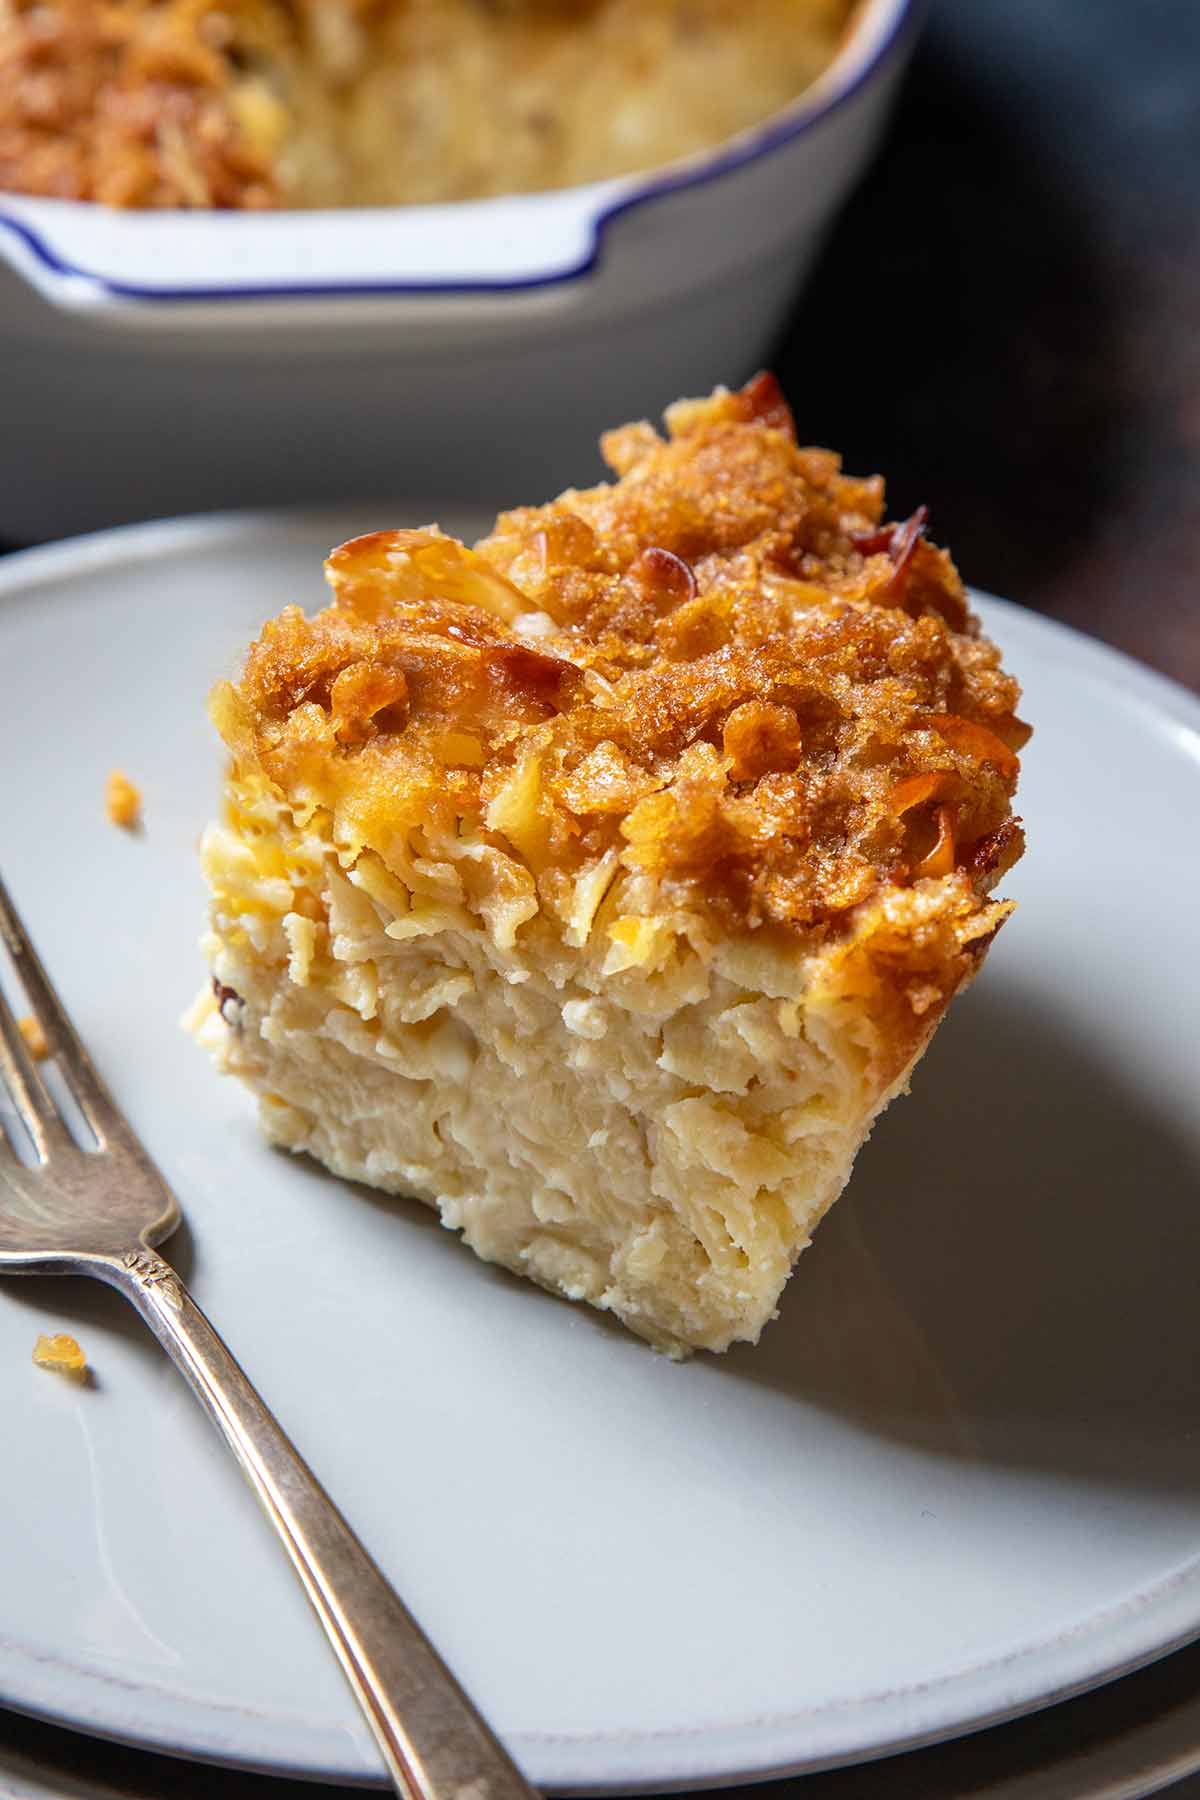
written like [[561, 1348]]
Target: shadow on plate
[[1009, 1279], [1012, 1275]]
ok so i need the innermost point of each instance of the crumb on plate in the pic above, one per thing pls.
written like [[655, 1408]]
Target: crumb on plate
[[61, 1353], [122, 801]]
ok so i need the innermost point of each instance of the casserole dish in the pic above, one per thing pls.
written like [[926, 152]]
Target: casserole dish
[[179, 361]]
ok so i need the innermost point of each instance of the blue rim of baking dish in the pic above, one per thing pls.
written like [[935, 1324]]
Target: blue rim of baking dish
[[766, 141]]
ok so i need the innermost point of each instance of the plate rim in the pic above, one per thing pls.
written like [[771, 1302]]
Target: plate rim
[[1135, 1631]]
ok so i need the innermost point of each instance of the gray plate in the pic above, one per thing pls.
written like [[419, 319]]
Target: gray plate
[[960, 1477]]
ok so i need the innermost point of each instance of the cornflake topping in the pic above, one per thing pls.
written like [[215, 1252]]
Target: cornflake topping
[[722, 679]]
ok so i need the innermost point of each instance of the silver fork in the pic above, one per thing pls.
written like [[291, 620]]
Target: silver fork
[[100, 1213]]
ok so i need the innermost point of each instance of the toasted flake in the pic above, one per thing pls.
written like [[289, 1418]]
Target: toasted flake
[[60, 1353], [122, 800]]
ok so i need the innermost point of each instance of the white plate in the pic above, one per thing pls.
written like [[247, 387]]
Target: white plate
[[960, 1477]]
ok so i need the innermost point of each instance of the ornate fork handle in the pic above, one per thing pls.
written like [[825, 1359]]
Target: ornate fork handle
[[435, 1744]]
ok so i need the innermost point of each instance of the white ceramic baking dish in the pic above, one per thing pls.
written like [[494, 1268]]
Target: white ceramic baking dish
[[167, 362]]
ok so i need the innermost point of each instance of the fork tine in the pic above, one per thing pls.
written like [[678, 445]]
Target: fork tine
[[29, 1091], [9, 1160], [37, 1111]]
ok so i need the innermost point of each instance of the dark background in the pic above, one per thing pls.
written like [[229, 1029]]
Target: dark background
[[1007, 322]]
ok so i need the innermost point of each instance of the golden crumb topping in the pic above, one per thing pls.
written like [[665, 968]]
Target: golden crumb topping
[[138, 102], [122, 800], [717, 688]]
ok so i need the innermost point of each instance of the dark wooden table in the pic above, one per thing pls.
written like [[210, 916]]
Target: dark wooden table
[[1008, 322]]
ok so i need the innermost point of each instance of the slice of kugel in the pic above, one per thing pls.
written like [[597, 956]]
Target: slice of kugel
[[601, 884]]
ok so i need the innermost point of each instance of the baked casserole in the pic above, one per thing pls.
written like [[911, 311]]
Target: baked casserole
[[602, 883], [316, 103]]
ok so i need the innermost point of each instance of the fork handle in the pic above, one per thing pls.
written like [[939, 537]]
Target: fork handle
[[434, 1742]]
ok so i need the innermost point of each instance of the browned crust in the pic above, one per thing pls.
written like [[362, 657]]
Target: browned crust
[[777, 711], [901, 968], [131, 102]]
